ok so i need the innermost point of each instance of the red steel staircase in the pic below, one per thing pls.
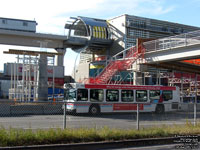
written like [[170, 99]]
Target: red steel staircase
[[119, 62]]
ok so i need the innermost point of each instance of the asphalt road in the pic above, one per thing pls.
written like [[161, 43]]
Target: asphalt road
[[119, 120], [161, 147]]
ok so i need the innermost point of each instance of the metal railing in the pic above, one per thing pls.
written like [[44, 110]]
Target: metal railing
[[181, 40], [123, 55]]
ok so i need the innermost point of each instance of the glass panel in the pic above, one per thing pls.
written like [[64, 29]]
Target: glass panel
[[141, 96], [167, 95], [66, 94], [4, 21], [78, 29], [96, 95], [82, 95], [154, 95], [112, 95], [70, 94], [127, 95], [25, 23]]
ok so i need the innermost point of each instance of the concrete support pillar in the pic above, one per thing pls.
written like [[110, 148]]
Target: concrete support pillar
[[137, 78], [42, 79], [137, 74], [60, 58], [158, 79]]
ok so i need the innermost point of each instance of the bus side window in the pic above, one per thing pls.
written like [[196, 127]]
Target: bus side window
[[66, 94], [167, 95], [82, 95], [154, 94], [96, 95], [112, 95], [141, 96], [127, 95]]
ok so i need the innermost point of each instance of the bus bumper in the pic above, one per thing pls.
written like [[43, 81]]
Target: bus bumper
[[71, 110]]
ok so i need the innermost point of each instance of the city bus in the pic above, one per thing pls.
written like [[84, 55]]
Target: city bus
[[98, 98]]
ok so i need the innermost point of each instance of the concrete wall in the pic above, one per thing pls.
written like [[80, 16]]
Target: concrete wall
[[13, 109], [189, 107], [7, 109], [82, 72], [118, 30], [30, 109], [5, 86]]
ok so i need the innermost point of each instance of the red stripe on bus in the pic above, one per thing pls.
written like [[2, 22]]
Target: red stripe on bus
[[126, 87], [127, 107], [82, 104]]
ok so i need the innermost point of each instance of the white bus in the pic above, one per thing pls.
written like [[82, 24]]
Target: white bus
[[97, 98]]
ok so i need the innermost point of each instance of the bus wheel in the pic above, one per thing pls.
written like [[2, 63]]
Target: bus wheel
[[94, 110], [160, 109]]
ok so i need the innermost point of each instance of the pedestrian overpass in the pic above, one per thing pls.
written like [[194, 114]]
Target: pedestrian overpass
[[181, 52], [180, 47]]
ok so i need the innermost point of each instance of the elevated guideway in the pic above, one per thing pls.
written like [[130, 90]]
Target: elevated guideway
[[94, 34], [31, 39], [84, 34], [34, 39]]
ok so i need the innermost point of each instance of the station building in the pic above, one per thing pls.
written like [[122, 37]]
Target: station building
[[125, 30]]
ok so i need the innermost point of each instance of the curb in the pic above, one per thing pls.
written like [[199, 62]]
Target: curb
[[101, 145]]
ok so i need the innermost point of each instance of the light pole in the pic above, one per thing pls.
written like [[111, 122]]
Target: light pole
[[75, 66]]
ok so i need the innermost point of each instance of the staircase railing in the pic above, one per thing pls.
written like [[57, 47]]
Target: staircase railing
[[121, 61]]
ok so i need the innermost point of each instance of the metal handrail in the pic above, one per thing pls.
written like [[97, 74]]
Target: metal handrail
[[114, 57], [181, 40], [124, 55]]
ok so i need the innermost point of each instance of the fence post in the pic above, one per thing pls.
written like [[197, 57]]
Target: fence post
[[138, 115], [64, 116], [195, 102]]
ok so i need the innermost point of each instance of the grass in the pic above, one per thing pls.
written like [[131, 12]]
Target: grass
[[17, 137]]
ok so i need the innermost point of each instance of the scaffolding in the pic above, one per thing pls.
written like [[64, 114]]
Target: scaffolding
[[189, 83], [25, 74]]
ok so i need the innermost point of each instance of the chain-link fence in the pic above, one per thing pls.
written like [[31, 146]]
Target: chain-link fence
[[45, 115]]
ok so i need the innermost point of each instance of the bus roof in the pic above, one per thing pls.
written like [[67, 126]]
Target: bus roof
[[123, 86]]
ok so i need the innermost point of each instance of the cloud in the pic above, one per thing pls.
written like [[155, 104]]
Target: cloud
[[52, 15], [111, 8], [45, 12], [154, 8]]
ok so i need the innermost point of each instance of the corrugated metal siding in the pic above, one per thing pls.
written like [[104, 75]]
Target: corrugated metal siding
[[21, 25]]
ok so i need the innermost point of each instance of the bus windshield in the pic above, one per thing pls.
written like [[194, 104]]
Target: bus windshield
[[70, 94]]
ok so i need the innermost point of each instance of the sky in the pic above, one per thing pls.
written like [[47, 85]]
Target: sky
[[51, 15]]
